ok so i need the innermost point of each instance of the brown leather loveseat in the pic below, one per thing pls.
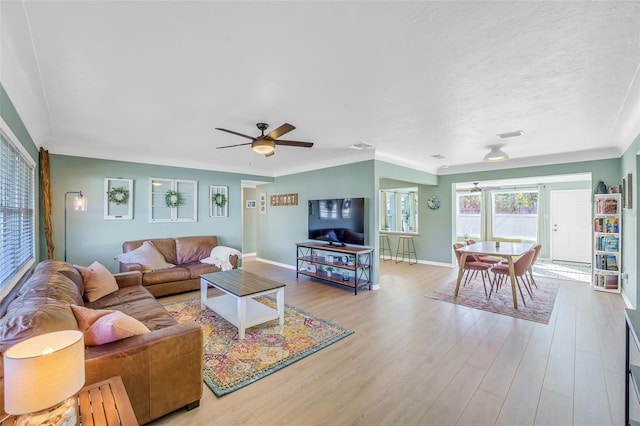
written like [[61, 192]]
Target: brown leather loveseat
[[183, 252], [161, 369]]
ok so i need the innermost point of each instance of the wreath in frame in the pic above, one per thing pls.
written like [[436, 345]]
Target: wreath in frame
[[118, 195], [173, 199], [219, 199]]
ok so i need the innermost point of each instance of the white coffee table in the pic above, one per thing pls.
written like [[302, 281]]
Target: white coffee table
[[237, 305]]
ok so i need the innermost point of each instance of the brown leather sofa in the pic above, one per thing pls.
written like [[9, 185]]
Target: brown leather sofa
[[185, 253], [161, 370]]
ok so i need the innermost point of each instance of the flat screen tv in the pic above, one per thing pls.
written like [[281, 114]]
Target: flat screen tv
[[338, 221]]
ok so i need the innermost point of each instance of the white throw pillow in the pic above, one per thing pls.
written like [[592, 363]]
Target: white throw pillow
[[146, 255]]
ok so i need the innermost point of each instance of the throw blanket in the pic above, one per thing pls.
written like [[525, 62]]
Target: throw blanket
[[220, 257]]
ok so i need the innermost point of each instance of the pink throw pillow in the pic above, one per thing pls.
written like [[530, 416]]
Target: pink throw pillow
[[102, 326], [98, 281]]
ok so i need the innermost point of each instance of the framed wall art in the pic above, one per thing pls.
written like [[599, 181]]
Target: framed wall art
[[262, 203], [251, 204], [218, 201], [173, 200], [118, 199]]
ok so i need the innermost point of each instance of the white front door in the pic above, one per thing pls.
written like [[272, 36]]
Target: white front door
[[571, 225]]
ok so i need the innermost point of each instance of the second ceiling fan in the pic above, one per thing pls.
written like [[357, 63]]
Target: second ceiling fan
[[266, 144]]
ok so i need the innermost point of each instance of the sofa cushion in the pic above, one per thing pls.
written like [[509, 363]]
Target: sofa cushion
[[192, 249], [123, 295], [146, 255], [166, 246], [66, 269], [41, 306], [106, 326], [149, 312], [98, 281], [197, 268], [164, 276]]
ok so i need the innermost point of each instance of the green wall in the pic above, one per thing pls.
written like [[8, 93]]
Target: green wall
[[13, 120], [282, 227], [630, 236], [90, 237], [249, 221]]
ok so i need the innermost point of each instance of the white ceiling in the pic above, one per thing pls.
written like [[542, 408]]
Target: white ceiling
[[149, 81]]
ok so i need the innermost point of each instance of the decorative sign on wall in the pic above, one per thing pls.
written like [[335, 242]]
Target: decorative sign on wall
[[118, 198], [284, 200]]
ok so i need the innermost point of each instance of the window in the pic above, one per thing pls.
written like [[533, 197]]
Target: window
[[399, 210], [469, 216], [17, 226], [515, 214]]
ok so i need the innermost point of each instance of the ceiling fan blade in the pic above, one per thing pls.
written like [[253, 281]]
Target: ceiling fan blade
[[231, 146], [294, 143], [275, 134], [236, 133]]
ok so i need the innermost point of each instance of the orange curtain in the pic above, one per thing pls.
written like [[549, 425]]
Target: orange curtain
[[45, 186]]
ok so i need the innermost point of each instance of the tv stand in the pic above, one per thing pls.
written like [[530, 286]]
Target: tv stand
[[324, 262]]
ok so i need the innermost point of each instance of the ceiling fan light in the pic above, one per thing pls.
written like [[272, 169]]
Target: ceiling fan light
[[263, 147], [495, 155]]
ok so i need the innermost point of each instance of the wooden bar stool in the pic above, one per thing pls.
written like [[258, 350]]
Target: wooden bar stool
[[408, 249], [385, 246]]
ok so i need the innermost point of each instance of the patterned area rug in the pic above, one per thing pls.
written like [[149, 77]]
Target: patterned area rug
[[230, 364], [539, 309]]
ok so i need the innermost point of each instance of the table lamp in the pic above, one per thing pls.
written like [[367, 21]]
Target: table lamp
[[41, 377]]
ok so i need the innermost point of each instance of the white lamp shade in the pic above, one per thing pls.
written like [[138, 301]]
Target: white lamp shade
[[43, 371]]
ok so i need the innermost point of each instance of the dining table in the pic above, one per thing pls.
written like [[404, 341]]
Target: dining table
[[505, 250]]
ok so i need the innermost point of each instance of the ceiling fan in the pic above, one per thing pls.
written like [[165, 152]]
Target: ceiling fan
[[266, 144], [475, 188]]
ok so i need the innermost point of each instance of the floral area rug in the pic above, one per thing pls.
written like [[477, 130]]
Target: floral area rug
[[230, 363], [472, 295]]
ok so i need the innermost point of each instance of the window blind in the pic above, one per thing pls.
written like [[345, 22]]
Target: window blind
[[17, 233]]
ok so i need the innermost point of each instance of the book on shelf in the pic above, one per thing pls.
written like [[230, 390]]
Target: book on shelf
[[607, 281], [611, 263]]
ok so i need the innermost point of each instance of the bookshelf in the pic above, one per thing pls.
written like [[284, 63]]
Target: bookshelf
[[607, 242]]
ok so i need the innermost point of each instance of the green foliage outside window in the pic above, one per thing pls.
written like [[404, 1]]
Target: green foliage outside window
[[516, 203]]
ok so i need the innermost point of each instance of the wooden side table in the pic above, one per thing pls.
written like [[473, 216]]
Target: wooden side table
[[101, 403]]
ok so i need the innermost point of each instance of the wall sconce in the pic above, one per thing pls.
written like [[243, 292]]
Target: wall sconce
[[41, 377], [495, 155], [79, 204]]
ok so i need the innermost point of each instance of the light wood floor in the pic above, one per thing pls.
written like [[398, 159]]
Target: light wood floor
[[417, 361]]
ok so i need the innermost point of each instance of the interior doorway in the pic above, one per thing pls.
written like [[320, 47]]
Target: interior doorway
[[570, 220]]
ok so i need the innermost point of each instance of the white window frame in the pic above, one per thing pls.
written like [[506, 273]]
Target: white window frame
[[14, 278], [460, 236]]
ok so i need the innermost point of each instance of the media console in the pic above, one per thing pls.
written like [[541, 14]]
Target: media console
[[345, 266]]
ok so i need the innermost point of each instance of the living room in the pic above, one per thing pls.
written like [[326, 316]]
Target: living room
[[82, 157]]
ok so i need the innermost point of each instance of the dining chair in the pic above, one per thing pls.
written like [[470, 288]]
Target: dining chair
[[537, 249], [520, 267], [472, 268], [483, 258]]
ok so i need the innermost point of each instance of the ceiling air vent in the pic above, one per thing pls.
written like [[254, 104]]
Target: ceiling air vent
[[361, 145]]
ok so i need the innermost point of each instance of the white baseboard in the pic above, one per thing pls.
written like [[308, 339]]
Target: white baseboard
[[423, 262], [283, 265], [248, 254], [626, 300]]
